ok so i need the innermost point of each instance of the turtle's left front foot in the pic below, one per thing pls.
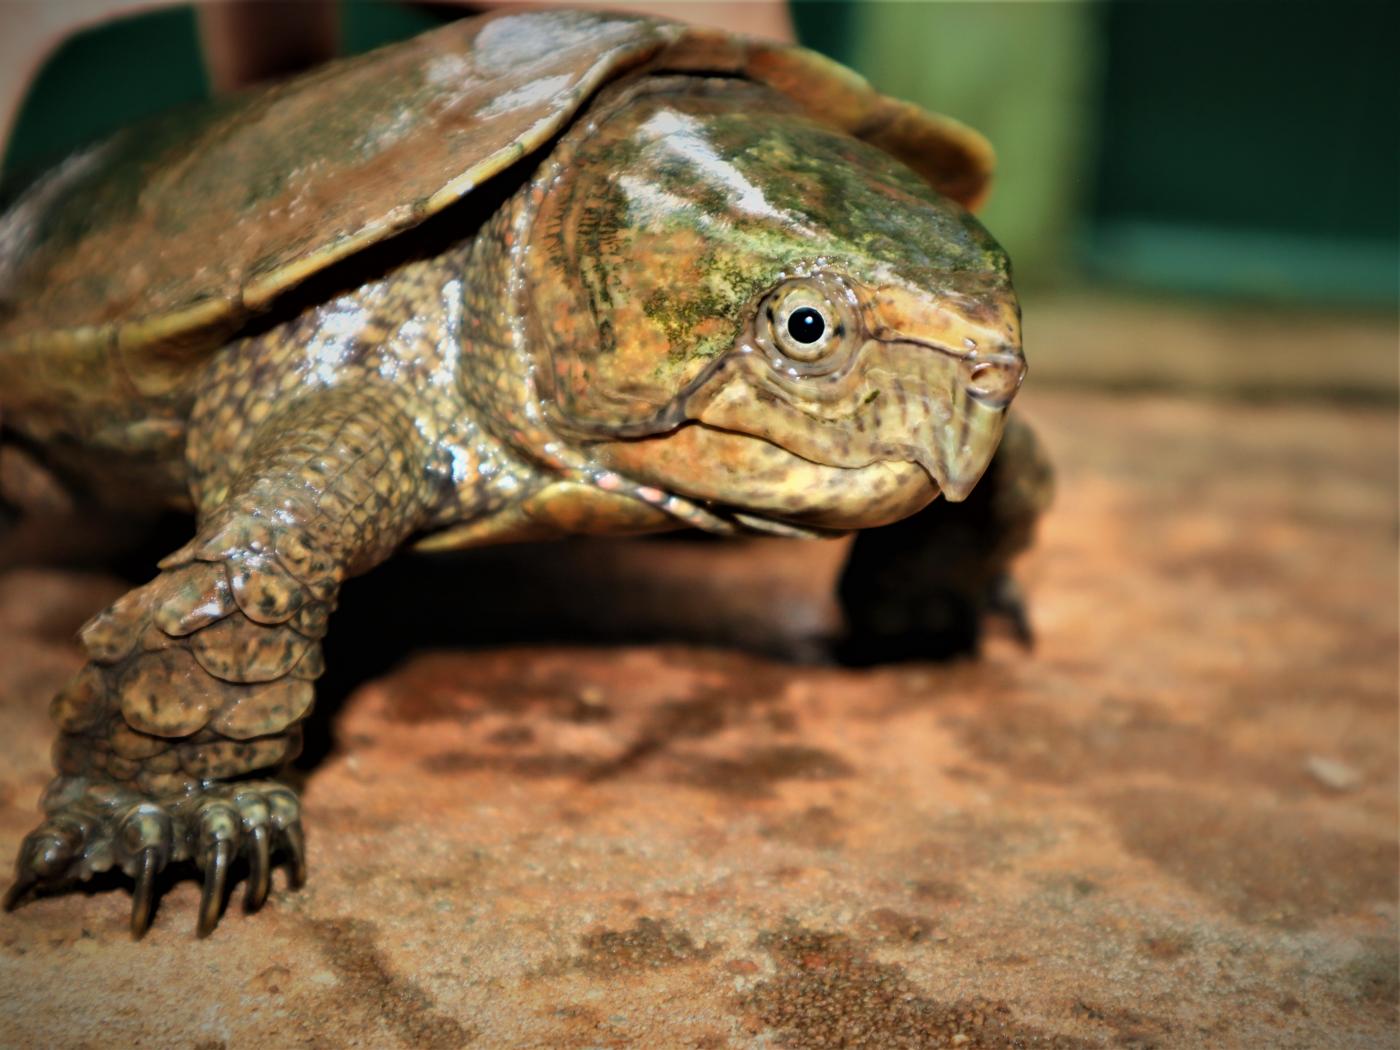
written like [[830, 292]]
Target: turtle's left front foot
[[93, 826]]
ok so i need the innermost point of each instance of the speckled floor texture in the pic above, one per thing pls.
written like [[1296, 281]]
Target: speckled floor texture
[[1172, 825]]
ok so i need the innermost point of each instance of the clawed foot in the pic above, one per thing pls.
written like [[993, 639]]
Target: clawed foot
[[1005, 602], [93, 826], [935, 623]]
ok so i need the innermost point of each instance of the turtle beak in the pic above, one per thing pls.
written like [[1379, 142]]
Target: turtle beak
[[968, 444], [965, 348]]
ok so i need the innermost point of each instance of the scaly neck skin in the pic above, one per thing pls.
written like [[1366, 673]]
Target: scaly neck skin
[[498, 370], [404, 330]]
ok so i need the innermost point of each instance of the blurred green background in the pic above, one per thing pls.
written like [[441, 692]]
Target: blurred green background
[[1236, 150]]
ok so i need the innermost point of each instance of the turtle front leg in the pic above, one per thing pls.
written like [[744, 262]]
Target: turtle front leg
[[173, 733], [921, 589]]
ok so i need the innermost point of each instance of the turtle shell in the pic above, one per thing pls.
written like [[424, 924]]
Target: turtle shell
[[122, 268]]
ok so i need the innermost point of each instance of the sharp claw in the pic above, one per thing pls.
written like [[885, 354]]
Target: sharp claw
[[143, 834], [296, 847], [259, 869], [1008, 604], [1021, 630], [17, 891], [211, 898], [143, 896]]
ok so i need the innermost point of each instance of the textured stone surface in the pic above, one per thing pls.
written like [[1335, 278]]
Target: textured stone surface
[[1174, 824]]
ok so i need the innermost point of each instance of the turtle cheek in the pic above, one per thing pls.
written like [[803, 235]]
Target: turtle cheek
[[884, 403], [742, 472]]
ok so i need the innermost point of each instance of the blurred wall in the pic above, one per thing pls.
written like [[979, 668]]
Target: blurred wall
[[1249, 149]]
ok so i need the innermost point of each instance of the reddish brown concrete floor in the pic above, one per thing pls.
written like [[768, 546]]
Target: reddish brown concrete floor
[[1173, 825]]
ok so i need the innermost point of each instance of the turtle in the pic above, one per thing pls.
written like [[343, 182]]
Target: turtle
[[527, 275]]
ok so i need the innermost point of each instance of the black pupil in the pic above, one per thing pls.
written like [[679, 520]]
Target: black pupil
[[806, 325]]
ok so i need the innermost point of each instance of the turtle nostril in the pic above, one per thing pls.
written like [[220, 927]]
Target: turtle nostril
[[995, 380]]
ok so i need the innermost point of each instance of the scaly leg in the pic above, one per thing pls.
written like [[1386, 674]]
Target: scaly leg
[[921, 588], [190, 703]]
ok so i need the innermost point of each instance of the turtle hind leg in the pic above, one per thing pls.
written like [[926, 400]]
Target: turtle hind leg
[[173, 733], [926, 587]]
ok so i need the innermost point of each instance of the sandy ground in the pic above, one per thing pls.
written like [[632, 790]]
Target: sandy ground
[[1172, 825]]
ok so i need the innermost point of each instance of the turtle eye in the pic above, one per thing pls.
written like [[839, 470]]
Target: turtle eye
[[806, 324], [805, 328]]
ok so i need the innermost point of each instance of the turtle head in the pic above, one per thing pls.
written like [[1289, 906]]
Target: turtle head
[[741, 305]]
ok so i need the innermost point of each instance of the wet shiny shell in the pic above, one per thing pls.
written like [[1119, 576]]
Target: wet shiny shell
[[125, 266]]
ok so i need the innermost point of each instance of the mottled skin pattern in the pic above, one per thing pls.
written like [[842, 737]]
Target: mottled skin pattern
[[607, 348]]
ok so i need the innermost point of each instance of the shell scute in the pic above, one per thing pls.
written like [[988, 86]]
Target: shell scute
[[264, 591], [82, 703], [113, 633], [265, 709], [237, 651], [167, 694], [192, 596], [223, 759]]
